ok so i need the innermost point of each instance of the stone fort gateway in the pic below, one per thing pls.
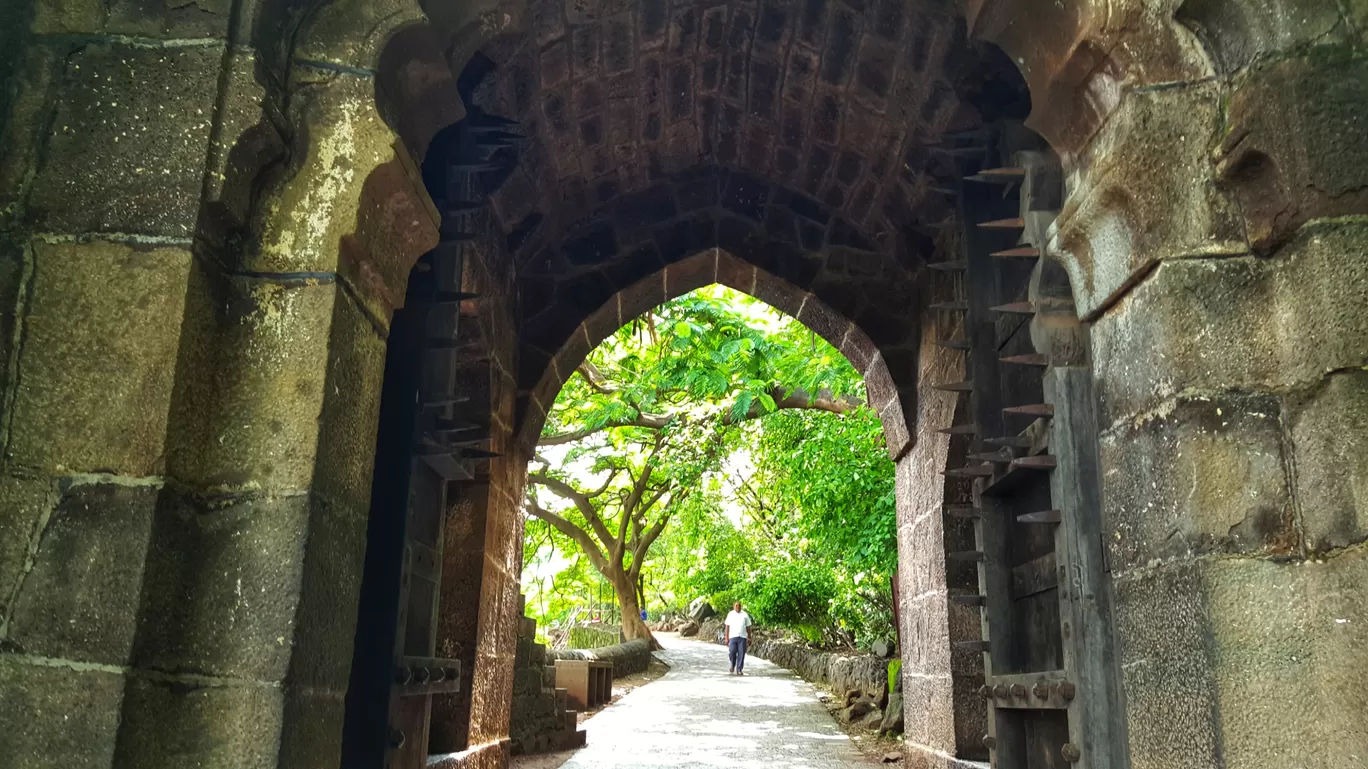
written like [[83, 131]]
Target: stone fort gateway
[[288, 287]]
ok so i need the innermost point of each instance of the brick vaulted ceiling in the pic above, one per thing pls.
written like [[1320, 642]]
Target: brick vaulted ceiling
[[797, 134], [832, 98]]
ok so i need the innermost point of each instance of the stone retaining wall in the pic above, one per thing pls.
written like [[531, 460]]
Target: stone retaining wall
[[840, 672], [627, 658]]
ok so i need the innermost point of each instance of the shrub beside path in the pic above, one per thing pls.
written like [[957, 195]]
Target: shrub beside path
[[698, 715]]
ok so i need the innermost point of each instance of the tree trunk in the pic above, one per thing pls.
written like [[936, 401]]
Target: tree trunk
[[633, 626]]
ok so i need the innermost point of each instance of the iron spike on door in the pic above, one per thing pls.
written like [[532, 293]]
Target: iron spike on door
[[981, 471], [1037, 462], [952, 266], [959, 430], [1044, 516], [1016, 223], [1016, 308], [1021, 252]]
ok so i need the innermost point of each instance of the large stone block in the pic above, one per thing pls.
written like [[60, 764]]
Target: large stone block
[[129, 141], [1127, 211], [1288, 645], [1162, 619], [99, 355], [251, 390], [222, 585], [25, 504], [311, 733], [330, 587], [25, 109], [1238, 324], [57, 717], [1329, 441], [80, 598], [170, 725], [1203, 476], [1215, 651]]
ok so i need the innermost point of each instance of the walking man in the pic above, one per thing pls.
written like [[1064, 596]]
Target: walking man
[[738, 635]]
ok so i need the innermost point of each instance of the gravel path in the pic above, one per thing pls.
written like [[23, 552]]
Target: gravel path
[[698, 715]]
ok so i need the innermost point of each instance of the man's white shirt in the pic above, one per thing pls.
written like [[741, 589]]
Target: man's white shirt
[[738, 623]]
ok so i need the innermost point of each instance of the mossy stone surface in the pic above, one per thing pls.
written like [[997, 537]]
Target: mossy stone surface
[[175, 725], [101, 340], [57, 718], [80, 599], [222, 586], [251, 384]]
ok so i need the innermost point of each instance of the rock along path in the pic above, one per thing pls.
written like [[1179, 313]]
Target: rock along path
[[698, 715]]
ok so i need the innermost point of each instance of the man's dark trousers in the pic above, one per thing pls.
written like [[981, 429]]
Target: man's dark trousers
[[736, 652]]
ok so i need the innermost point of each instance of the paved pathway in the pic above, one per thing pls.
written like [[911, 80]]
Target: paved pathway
[[698, 715]]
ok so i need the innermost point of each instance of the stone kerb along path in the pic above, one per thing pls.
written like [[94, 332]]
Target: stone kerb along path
[[697, 716]]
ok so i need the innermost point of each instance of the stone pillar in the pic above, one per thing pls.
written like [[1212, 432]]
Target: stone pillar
[[942, 712], [188, 422], [1219, 247]]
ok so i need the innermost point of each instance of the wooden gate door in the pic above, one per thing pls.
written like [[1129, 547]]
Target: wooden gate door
[[426, 440], [1051, 678]]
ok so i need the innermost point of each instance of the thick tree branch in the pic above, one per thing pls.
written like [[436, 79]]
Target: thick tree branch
[[580, 536], [586, 507], [595, 378]]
